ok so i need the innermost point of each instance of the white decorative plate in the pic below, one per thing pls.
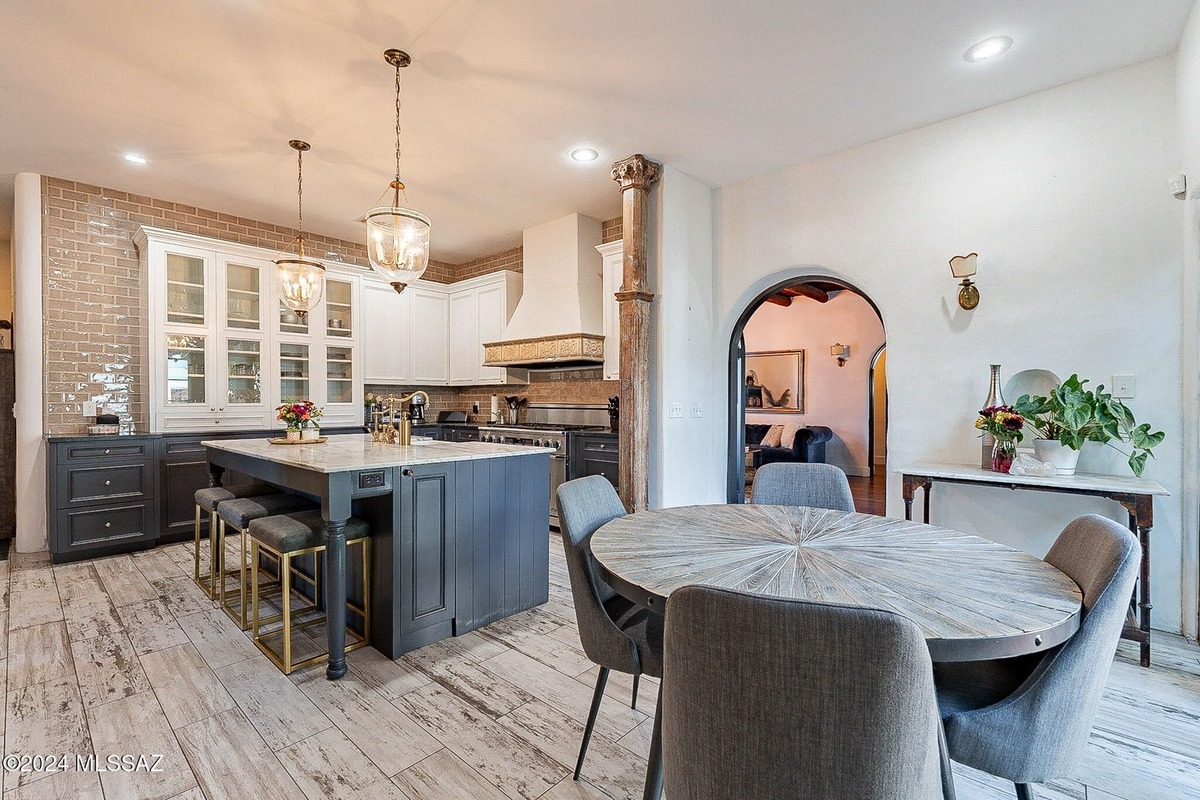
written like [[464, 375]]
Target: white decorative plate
[[1030, 381]]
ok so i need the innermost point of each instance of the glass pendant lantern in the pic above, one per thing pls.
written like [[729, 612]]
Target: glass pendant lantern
[[397, 237], [301, 279]]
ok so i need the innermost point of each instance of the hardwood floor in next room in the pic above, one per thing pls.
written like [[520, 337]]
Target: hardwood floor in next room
[[124, 655]]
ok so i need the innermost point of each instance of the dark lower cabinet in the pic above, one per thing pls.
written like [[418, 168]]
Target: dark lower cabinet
[[462, 434], [182, 469], [102, 498], [426, 552], [594, 454]]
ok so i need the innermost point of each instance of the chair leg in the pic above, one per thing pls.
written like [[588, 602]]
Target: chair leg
[[633, 701], [654, 766], [946, 768], [597, 696], [1024, 791]]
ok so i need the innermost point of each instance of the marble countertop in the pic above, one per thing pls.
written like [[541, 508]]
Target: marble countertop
[[1080, 481], [358, 451]]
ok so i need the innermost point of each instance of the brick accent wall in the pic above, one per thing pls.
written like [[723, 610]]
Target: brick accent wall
[[94, 301], [610, 230]]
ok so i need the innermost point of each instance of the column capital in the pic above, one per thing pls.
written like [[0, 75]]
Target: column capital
[[636, 172]]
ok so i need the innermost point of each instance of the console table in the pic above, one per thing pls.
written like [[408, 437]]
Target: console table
[[1135, 494]]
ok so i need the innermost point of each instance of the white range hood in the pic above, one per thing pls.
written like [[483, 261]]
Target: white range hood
[[558, 322]]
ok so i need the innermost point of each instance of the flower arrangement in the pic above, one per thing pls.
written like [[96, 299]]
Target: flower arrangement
[[297, 414], [1002, 422]]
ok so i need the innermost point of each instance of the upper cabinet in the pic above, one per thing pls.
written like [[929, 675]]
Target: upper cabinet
[[219, 360], [432, 334], [612, 258], [479, 310]]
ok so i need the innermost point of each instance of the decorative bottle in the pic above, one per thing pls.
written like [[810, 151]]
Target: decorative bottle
[[995, 398]]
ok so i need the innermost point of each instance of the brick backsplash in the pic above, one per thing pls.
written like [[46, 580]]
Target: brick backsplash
[[94, 301]]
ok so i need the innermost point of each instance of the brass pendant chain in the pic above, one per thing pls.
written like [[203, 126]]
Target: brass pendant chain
[[398, 134]]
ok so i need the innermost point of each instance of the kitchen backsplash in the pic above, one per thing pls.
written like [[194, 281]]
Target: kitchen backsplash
[[94, 297]]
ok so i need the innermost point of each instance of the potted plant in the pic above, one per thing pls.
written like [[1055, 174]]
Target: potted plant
[[1004, 424], [299, 415], [1073, 414]]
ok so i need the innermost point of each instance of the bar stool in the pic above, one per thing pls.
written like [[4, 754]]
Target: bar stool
[[207, 501], [239, 513], [286, 537]]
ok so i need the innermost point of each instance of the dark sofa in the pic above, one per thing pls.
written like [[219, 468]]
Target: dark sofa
[[808, 446]]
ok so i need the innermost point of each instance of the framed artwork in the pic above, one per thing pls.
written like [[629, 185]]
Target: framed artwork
[[775, 381]]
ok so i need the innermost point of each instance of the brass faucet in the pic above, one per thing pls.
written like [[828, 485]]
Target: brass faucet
[[394, 431]]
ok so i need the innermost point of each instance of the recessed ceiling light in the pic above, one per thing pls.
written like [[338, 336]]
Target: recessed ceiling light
[[134, 158], [584, 154], [988, 48]]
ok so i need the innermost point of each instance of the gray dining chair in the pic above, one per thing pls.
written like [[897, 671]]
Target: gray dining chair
[[1028, 719], [615, 632], [817, 485], [770, 698]]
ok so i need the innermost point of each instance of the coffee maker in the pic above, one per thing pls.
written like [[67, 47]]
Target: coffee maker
[[416, 409]]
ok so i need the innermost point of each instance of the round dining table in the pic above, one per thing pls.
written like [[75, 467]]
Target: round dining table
[[974, 599]]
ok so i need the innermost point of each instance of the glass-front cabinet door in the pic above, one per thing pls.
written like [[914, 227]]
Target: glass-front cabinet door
[[339, 375], [243, 373], [186, 370], [243, 292], [294, 374], [187, 280], [339, 309]]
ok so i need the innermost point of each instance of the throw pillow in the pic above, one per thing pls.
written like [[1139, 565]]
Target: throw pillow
[[788, 438], [773, 436]]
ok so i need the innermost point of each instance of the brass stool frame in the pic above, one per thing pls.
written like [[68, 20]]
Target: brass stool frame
[[207, 582], [236, 606], [286, 570]]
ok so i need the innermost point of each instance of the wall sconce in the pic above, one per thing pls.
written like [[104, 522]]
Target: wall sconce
[[964, 267], [841, 352]]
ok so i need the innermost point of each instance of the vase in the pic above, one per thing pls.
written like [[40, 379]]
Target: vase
[[1003, 453], [293, 434], [310, 433], [1053, 452], [995, 398]]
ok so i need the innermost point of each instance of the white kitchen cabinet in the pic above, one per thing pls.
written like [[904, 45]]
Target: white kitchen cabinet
[[479, 310], [387, 351], [429, 317], [612, 254], [219, 360]]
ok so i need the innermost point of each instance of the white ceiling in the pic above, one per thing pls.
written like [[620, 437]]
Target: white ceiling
[[211, 90]]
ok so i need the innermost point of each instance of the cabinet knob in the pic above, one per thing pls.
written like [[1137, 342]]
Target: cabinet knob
[[108, 483], [407, 472], [601, 446], [108, 524], [106, 452]]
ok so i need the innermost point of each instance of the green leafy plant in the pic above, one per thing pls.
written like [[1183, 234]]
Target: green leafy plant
[[1073, 414]]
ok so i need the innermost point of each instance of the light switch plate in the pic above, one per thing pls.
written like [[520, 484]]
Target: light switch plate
[[697, 410], [676, 410], [1124, 386]]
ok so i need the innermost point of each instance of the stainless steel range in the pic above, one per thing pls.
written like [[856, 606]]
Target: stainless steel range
[[546, 433]]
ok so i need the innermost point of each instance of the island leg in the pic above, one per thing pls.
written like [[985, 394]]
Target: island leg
[[216, 555], [335, 596]]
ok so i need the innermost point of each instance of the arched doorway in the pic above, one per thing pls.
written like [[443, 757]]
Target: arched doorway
[[796, 316]]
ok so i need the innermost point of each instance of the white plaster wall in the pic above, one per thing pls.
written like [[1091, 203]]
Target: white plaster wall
[[27, 344], [1188, 105], [1062, 194], [837, 397], [683, 450]]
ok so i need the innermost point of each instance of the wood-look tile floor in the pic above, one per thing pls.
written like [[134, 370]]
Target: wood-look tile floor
[[124, 656]]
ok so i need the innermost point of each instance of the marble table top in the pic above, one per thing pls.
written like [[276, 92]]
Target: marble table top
[[973, 598], [358, 451], [1080, 481]]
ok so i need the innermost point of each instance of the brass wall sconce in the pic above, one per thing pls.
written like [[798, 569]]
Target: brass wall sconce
[[964, 267], [841, 352]]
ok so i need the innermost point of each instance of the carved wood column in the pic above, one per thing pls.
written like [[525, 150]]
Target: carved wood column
[[635, 175]]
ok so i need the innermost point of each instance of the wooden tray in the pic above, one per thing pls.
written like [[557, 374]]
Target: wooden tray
[[283, 440]]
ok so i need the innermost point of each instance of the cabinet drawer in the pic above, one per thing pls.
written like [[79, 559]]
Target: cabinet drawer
[[80, 485], [87, 451], [604, 449], [91, 528]]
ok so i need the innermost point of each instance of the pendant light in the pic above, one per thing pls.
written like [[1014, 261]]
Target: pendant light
[[397, 237], [301, 279]]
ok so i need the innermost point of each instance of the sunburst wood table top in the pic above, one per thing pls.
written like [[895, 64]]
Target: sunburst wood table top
[[973, 598]]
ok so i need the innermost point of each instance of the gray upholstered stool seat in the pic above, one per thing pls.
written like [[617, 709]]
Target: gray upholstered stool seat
[[207, 500], [239, 513], [285, 537]]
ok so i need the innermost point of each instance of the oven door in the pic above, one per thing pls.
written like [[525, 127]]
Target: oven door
[[558, 475]]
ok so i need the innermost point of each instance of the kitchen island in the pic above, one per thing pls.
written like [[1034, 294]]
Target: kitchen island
[[458, 529]]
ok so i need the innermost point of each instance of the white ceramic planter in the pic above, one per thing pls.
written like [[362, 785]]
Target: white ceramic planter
[[1063, 459], [310, 433]]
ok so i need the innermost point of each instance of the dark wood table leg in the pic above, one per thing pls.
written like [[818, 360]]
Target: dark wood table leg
[[654, 767], [911, 484], [1141, 520]]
